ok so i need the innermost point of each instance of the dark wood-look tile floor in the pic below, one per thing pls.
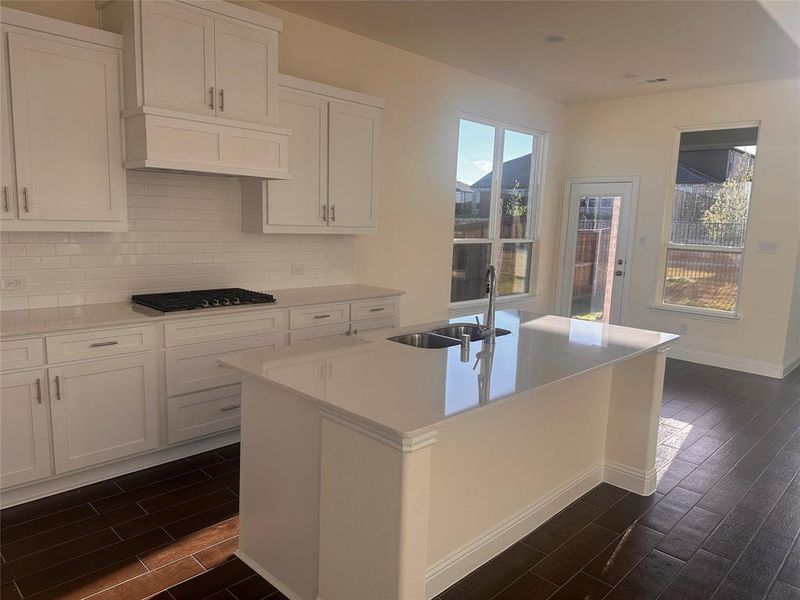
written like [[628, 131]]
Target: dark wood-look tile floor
[[723, 525]]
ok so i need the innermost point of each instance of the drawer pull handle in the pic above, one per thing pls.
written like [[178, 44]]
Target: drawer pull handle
[[376, 309], [321, 316], [58, 387], [101, 344], [229, 407], [38, 390]]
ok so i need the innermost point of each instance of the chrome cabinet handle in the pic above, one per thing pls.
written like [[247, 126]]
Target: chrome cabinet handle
[[38, 390], [376, 309], [321, 316], [333, 213], [229, 407], [101, 344], [58, 387], [25, 199], [221, 100], [5, 199], [211, 98], [325, 212]]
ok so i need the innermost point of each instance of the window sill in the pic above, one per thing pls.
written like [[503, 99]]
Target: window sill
[[699, 313], [504, 302]]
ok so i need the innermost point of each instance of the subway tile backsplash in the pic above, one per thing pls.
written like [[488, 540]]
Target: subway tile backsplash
[[184, 233]]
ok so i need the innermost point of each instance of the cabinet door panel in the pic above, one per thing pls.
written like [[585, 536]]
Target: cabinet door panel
[[8, 177], [301, 199], [24, 433], [103, 410], [67, 130], [352, 173], [246, 61], [178, 57]]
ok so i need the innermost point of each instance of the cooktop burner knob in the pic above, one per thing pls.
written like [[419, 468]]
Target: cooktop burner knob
[[226, 302], [235, 300], [214, 302], [204, 304]]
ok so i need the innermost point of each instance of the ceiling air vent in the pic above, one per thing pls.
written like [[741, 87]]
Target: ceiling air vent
[[652, 81]]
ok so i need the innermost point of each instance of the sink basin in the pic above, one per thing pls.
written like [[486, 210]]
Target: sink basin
[[456, 330], [425, 340]]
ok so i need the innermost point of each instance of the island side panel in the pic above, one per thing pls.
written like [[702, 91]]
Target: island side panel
[[499, 474], [279, 490], [637, 386], [373, 516]]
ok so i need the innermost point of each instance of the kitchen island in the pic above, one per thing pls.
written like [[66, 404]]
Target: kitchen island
[[379, 471]]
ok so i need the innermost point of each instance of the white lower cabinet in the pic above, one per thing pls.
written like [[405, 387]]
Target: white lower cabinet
[[24, 431], [385, 325], [195, 368], [103, 410], [203, 413]]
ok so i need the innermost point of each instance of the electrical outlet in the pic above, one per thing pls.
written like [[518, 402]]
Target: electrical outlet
[[768, 247], [13, 283], [683, 329], [298, 268]]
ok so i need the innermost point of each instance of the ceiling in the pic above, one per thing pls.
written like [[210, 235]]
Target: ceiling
[[692, 44]]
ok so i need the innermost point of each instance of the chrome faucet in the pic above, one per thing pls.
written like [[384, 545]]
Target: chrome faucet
[[491, 290]]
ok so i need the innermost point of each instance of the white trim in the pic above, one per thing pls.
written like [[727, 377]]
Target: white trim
[[726, 361], [633, 181], [634, 480], [314, 87], [42, 24], [705, 313], [791, 364], [72, 480], [398, 442], [456, 565], [277, 583]]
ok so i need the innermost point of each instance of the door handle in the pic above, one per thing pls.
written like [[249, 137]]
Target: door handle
[[58, 387], [5, 199], [325, 213], [38, 390], [618, 273], [25, 199], [321, 316], [211, 98], [221, 100], [333, 213], [101, 344]]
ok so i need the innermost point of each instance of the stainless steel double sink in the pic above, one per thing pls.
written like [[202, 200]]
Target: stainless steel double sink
[[444, 337]]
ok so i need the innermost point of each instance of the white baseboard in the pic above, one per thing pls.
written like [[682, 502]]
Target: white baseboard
[[726, 361], [277, 583], [791, 364], [633, 480], [70, 481], [486, 546]]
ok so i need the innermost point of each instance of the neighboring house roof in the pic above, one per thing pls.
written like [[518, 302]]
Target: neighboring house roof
[[516, 169], [689, 175], [463, 187]]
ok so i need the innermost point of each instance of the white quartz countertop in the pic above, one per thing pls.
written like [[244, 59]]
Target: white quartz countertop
[[46, 320], [404, 391]]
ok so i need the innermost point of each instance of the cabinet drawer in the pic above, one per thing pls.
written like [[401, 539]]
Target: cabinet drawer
[[318, 332], [99, 344], [195, 368], [220, 328], [376, 325], [371, 309], [203, 413], [21, 354], [314, 316]]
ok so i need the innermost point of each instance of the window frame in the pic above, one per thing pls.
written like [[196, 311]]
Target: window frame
[[666, 231], [535, 187]]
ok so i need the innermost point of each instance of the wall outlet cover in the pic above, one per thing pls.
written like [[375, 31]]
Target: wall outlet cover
[[768, 246], [298, 268], [13, 283]]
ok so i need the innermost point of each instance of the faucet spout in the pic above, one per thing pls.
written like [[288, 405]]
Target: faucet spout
[[491, 290]]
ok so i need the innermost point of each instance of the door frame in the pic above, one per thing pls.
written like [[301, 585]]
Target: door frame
[[633, 181]]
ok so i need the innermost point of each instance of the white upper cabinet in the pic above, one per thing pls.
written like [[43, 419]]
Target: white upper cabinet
[[246, 72], [201, 84], [334, 164], [62, 132], [352, 164], [8, 179], [178, 57]]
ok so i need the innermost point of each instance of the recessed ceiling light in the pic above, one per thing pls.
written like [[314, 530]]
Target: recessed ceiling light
[[555, 38]]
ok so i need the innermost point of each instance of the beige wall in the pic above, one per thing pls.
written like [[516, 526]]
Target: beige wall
[[635, 136]]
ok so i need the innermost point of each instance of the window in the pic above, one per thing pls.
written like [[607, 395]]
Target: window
[[495, 205], [710, 204]]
